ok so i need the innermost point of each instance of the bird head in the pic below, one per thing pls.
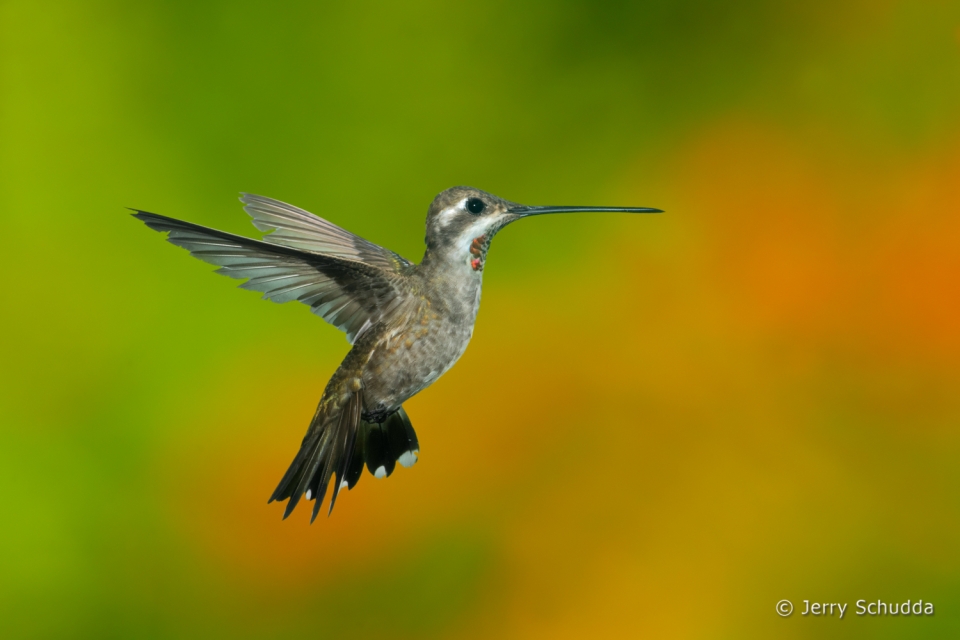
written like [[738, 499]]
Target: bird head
[[462, 221]]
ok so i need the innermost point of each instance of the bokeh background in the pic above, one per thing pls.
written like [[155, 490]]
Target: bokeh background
[[664, 424]]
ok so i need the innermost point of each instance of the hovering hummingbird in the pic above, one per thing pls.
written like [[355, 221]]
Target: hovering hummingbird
[[407, 323]]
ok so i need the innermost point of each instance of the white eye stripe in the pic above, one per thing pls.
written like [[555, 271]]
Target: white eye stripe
[[451, 212]]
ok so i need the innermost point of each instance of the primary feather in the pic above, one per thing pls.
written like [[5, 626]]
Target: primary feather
[[346, 291]]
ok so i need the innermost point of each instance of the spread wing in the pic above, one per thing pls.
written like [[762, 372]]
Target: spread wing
[[293, 227], [352, 284]]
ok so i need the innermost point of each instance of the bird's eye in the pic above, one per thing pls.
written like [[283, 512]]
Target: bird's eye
[[475, 206]]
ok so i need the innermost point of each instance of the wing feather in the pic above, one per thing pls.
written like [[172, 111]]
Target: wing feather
[[290, 226], [347, 292]]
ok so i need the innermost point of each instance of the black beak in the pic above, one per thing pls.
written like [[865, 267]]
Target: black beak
[[522, 210]]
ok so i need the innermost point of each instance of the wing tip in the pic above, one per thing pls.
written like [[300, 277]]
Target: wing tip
[[154, 221]]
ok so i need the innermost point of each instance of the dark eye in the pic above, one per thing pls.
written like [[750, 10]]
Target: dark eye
[[475, 206]]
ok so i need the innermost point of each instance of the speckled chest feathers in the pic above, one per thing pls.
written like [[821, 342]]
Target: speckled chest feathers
[[410, 352]]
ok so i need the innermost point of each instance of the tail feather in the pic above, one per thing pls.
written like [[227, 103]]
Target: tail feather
[[307, 473], [402, 439], [391, 442], [341, 457], [297, 469], [355, 468], [339, 445]]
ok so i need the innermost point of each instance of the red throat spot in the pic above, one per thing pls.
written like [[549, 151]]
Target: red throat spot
[[476, 263]]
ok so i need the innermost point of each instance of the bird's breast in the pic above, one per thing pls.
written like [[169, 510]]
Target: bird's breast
[[420, 346]]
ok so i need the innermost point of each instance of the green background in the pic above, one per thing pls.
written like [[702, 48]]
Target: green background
[[664, 424]]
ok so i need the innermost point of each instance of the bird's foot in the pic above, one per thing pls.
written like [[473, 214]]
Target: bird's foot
[[379, 415]]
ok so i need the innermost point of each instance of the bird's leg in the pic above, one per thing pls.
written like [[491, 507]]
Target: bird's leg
[[379, 415]]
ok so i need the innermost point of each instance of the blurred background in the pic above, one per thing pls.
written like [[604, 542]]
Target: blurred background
[[663, 425]]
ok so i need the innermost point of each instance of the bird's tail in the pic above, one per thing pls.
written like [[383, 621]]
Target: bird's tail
[[338, 443]]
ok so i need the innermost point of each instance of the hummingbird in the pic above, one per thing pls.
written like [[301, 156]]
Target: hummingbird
[[407, 323]]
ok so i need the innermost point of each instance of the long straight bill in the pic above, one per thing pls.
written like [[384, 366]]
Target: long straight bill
[[536, 211]]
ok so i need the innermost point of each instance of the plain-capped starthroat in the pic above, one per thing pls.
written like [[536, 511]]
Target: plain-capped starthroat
[[407, 323]]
